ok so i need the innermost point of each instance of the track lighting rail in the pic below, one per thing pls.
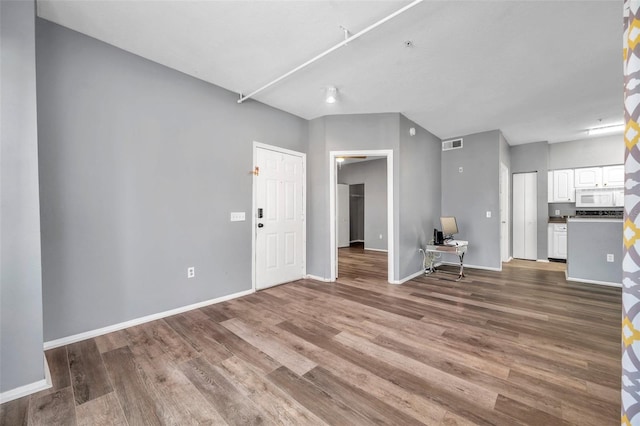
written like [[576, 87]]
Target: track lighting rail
[[328, 51]]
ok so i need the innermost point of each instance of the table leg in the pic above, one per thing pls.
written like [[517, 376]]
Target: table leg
[[461, 274]]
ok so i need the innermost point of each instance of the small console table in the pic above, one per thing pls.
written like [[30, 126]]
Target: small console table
[[457, 247]]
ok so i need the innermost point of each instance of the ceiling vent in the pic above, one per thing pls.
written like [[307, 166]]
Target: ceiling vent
[[452, 144]]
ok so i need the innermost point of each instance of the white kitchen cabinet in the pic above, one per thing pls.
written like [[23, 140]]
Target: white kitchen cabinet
[[557, 245], [589, 177], [562, 188], [613, 176]]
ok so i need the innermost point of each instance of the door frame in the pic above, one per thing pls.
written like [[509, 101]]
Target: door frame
[[254, 225], [333, 181]]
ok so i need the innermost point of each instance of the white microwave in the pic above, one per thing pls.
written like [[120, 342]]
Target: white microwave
[[600, 197]]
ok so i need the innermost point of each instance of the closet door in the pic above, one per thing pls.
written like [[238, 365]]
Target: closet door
[[525, 216]]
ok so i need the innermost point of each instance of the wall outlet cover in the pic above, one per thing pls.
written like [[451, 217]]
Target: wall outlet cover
[[609, 257], [488, 214], [191, 272]]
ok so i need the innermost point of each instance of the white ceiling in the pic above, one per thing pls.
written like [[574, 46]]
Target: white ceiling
[[537, 70]]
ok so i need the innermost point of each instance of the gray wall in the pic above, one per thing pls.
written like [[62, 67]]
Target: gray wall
[[470, 194], [588, 243], [374, 176], [415, 170], [604, 151], [21, 354], [140, 166], [339, 133], [318, 243], [420, 194], [533, 157]]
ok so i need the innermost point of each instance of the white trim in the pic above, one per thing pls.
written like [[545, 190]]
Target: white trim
[[374, 249], [607, 283], [542, 260], [356, 241], [333, 168], [317, 278], [409, 278], [485, 268], [34, 387], [254, 227], [115, 327], [25, 390], [47, 372]]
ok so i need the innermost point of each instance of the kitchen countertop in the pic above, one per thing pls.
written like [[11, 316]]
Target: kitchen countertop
[[557, 219]]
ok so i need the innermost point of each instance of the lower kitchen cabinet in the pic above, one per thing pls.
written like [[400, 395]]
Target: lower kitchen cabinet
[[557, 237]]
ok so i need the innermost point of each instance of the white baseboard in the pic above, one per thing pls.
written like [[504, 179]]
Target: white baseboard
[[356, 241], [486, 268], [409, 278], [373, 249], [607, 283], [317, 278], [105, 330], [25, 390]]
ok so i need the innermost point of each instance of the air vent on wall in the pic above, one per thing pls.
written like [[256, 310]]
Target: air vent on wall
[[452, 144]]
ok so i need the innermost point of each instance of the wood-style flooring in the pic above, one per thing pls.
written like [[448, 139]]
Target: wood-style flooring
[[521, 346]]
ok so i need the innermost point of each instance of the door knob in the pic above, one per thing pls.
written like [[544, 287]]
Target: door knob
[[260, 225]]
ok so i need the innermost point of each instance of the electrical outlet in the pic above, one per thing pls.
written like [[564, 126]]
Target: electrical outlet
[[237, 216], [609, 257], [488, 214], [380, 236], [191, 272], [557, 212], [460, 169]]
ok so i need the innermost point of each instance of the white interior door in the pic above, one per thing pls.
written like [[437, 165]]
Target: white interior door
[[525, 216], [342, 204], [504, 212], [279, 218]]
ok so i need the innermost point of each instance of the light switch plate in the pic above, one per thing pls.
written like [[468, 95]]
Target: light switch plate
[[609, 257], [237, 216], [488, 214]]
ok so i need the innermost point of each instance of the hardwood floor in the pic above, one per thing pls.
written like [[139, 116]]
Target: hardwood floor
[[522, 346]]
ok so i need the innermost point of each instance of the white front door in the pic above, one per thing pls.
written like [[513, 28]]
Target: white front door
[[279, 218]]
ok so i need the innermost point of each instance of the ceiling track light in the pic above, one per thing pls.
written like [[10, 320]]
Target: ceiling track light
[[604, 130], [331, 95]]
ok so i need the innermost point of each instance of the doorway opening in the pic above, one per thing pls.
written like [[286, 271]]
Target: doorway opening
[[333, 204]]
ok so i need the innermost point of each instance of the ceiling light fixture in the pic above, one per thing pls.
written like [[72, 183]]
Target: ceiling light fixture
[[331, 95], [615, 128]]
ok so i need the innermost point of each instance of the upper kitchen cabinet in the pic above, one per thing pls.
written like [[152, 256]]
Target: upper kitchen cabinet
[[596, 177], [613, 176], [561, 188], [589, 177]]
